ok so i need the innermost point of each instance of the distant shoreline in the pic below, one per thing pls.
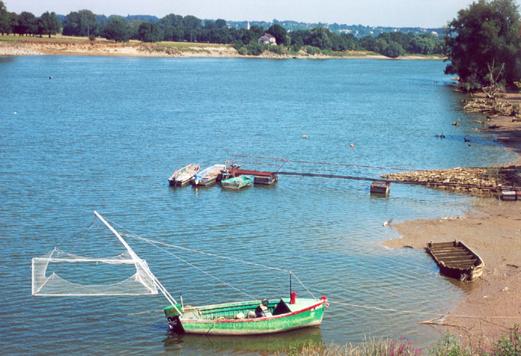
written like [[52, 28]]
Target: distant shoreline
[[81, 46]]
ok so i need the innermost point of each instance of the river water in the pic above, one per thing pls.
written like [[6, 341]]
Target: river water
[[85, 133]]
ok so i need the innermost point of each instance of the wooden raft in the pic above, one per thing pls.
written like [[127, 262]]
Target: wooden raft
[[456, 260]]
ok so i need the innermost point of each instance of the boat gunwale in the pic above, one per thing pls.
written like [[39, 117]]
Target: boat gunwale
[[474, 270], [264, 318]]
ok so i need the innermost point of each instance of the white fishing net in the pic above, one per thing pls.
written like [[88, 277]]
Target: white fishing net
[[86, 269]]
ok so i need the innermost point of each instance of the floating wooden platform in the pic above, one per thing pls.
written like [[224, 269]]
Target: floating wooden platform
[[456, 260]]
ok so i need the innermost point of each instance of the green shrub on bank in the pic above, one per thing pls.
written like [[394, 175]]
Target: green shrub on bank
[[312, 50], [448, 345], [509, 345]]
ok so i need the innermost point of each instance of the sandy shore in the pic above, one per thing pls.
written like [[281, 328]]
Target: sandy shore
[[492, 227], [15, 46]]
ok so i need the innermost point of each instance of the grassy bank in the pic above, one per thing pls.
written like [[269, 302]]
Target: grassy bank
[[448, 345]]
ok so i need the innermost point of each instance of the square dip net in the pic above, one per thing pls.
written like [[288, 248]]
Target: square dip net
[[47, 282]]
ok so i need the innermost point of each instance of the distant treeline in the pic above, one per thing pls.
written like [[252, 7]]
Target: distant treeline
[[192, 29]]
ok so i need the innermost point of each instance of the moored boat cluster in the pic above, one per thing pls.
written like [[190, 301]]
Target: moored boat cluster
[[230, 177]]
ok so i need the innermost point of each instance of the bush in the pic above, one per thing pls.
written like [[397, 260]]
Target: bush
[[243, 51], [449, 345], [509, 345], [278, 50], [312, 50], [255, 49]]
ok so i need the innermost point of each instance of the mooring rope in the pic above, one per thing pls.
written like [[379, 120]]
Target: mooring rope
[[193, 266], [156, 243], [420, 312]]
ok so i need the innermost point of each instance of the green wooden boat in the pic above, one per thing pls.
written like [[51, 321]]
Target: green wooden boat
[[243, 318], [237, 183]]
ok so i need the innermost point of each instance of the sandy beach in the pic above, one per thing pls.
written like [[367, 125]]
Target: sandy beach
[[492, 228]]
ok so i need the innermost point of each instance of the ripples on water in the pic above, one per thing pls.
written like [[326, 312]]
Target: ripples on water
[[105, 133]]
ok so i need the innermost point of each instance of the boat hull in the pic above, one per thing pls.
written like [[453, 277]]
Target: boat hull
[[456, 260], [308, 316], [183, 176], [237, 183]]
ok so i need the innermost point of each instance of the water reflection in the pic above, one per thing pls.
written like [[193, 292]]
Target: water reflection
[[7, 59], [276, 343]]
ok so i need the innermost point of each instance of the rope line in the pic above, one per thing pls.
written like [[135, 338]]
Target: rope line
[[196, 267], [284, 160], [419, 312], [206, 253], [157, 243]]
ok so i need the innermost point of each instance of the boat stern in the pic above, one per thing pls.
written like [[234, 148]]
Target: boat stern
[[173, 317]]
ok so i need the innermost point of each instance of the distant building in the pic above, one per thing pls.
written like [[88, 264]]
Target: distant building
[[267, 39], [248, 26]]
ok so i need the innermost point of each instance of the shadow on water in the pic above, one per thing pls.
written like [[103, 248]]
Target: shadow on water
[[7, 59], [283, 343]]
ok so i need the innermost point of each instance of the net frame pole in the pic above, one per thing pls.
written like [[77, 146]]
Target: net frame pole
[[134, 256]]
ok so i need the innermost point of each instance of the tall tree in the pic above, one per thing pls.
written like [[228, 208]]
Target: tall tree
[[5, 21], [117, 29], [172, 27], [191, 26], [279, 33], [80, 23], [27, 24], [485, 39], [149, 32], [48, 24]]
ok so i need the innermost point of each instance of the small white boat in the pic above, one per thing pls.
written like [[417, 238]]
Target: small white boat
[[208, 176], [183, 175]]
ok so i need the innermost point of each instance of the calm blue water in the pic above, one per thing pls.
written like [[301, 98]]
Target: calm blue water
[[105, 133]]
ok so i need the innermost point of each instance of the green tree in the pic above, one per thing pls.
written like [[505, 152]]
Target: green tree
[[191, 26], [220, 23], [48, 24], [319, 37], [280, 34], [117, 29], [485, 38], [149, 32], [5, 21], [393, 50], [172, 27], [27, 24], [80, 23]]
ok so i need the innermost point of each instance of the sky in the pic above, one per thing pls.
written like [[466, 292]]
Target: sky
[[395, 13]]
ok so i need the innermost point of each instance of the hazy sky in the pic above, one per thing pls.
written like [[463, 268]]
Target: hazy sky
[[426, 13]]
